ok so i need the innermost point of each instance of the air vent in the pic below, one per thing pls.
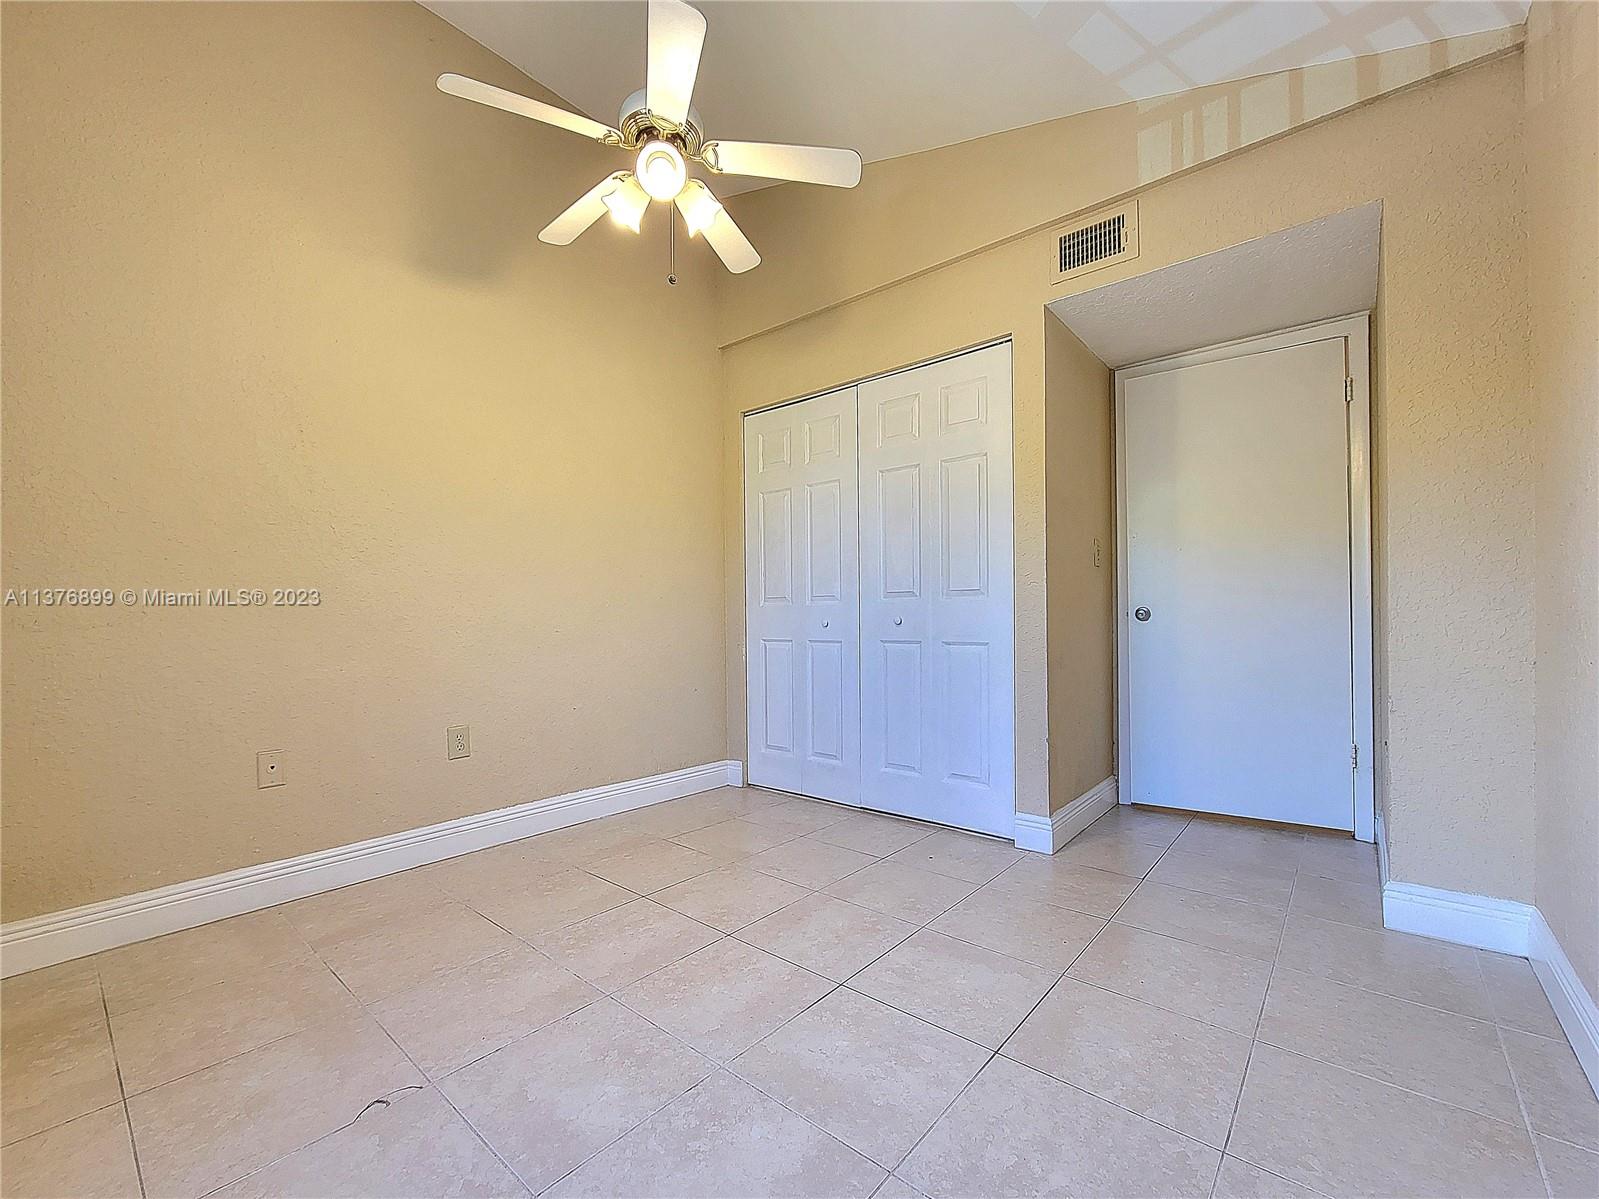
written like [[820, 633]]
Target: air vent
[[1087, 245]]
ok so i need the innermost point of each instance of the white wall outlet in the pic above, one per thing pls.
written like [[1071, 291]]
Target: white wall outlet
[[270, 768], [458, 741]]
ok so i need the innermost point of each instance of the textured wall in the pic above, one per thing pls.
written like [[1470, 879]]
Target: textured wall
[[275, 314], [1452, 455], [1562, 123], [1080, 513]]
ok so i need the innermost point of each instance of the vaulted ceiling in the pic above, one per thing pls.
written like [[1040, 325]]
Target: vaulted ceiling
[[896, 78]]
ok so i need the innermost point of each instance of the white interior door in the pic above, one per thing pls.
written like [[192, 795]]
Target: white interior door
[[936, 592], [803, 644], [1237, 592]]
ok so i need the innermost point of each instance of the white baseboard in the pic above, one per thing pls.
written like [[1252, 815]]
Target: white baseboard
[[59, 936], [1504, 926], [1574, 1007], [1046, 834]]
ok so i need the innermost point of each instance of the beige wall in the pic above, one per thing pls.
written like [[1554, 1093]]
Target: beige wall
[[1080, 593], [275, 314], [1452, 436], [1562, 64]]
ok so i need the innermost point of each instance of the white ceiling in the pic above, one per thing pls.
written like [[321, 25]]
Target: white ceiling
[[896, 78], [1243, 290]]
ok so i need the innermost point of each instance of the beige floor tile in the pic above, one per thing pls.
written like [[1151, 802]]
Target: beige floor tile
[[877, 835], [1208, 984], [164, 1041], [723, 1139], [405, 953], [1176, 1071], [1243, 844], [678, 816], [801, 816], [959, 855], [734, 839], [826, 935], [55, 1062], [1240, 1180], [1046, 936], [1332, 856], [1064, 885], [215, 1126], [1335, 899], [153, 971], [90, 1157], [725, 997], [808, 863], [550, 1100], [43, 996], [1118, 852], [731, 897], [1217, 876], [490, 872], [1517, 996], [456, 1016], [626, 943], [1397, 964], [652, 865], [1143, 824], [414, 1145], [356, 911], [543, 905], [969, 990], [1573, 1173], [871, 1076], [1560, 1102], [904, 891], [1449, 1057], [1247, 929], [1016, 1132], [1344, 1134], [593, 839]]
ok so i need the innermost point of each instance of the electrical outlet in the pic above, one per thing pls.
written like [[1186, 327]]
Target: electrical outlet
[[269, 768], [458, 741]]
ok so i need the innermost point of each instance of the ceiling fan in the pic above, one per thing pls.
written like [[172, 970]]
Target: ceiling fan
[[658, 124]]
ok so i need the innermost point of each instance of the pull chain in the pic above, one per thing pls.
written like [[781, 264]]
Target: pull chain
[[671, 249]]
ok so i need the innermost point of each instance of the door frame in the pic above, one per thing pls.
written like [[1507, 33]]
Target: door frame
[[1354, 329]]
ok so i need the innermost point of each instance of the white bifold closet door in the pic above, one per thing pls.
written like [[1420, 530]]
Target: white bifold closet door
[[803, 642], [937, 673]]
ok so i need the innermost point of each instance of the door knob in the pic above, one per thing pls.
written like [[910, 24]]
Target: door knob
[[824, 624], [899, 620], [1140, 613]]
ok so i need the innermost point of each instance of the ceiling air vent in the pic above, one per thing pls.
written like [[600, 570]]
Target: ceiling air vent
[[1087, 245]]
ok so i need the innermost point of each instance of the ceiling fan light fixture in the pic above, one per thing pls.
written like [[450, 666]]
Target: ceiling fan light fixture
[[661, 170], [698, 206], [627, 202]]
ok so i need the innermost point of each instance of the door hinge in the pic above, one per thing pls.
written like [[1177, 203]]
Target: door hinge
[[1349, 389], [1354, 757]]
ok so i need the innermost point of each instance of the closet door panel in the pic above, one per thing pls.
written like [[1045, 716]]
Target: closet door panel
[[936, 607]]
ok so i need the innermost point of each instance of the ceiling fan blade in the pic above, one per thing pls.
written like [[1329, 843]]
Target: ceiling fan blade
[[498, 97], [730, 244], [590, 207], [676, 34], [770, 160]]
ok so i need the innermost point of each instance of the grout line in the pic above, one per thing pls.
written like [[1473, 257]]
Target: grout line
[[1521, 1102], [122, 1089]]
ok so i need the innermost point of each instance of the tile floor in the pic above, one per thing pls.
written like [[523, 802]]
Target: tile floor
[[744, 994]]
